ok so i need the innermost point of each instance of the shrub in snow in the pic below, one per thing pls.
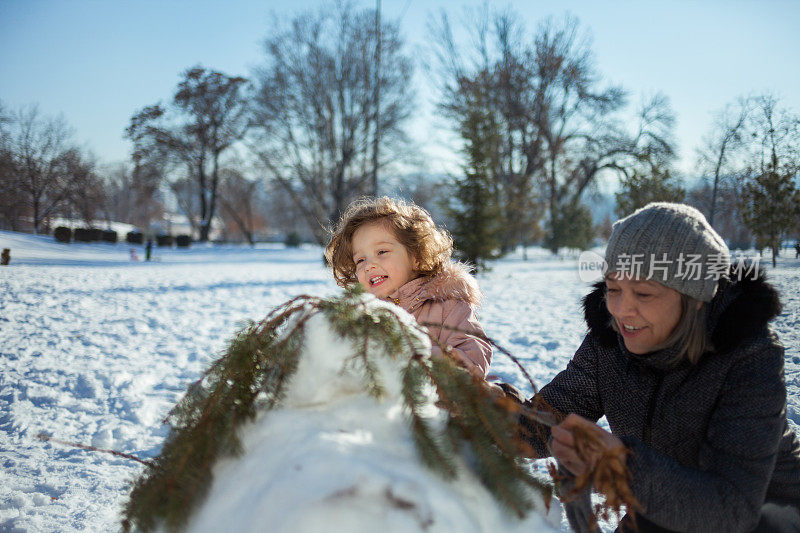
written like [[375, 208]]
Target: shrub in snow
[[292, 239], [62, 234], [330, 414], [183, 241], [164, 240], [134, 237], [96, 234], [110, 236], [83, 235]]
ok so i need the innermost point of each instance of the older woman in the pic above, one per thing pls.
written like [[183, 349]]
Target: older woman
[[680, 360]]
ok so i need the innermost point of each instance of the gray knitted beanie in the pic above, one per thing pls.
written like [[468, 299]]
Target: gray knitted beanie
[[672, 244]]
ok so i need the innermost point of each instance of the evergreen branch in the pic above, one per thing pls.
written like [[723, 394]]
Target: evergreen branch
[[494, 467], [416, 349], [357, 326], [543, 414], [370, 371], [491, 341], [251, 375], [430, 448], [609, 475], [514, 446], [205, 423], [510, 447]]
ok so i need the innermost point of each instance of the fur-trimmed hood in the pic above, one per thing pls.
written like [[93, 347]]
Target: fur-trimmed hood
[[743, 306], [454, 282], [445, 303]]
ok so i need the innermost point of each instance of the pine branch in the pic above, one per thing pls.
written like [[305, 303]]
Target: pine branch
[[205, 423], [484, 433], [431, 449], [609, 474], [491, 341], [356, 323], [251, 375]]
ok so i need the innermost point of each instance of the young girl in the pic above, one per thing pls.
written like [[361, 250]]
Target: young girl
[[395, 251]]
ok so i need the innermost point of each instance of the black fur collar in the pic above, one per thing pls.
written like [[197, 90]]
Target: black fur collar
[[741, 308]]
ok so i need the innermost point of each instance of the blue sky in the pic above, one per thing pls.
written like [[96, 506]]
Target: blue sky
[[98, 61]]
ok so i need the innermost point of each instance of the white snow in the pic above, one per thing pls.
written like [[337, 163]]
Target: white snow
[[96, 348]]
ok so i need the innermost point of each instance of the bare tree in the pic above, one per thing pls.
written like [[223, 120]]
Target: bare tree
[[770, 199], [120, 192], [208, 114], [38, 146], [10, 199], [87, 196], [237, 198], [728, 219], [134, 194], [284, 216], [12, 208], [183, 191], [774, 137], [315, 108], [718, 156], [560, 126], [643, 158], [5, 122]]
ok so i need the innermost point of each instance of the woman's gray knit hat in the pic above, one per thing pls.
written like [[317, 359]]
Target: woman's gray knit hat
[[672, 244]]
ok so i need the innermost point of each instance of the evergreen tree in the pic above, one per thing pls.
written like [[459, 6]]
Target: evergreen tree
[[571, 228], [770, 197], [770, 204], [644, 186], [474, 213]]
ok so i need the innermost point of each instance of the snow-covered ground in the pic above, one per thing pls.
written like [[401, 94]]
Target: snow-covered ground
[[97, 348]]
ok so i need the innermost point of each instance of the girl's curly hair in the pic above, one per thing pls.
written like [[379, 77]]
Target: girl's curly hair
[[411, 225]]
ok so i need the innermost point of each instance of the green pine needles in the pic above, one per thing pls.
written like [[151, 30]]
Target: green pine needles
[[251, 378]]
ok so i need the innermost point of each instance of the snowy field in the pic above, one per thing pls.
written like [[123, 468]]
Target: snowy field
[[96, 348]]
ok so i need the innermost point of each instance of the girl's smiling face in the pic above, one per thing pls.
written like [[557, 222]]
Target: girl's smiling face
[[646, 312], [383, 265]]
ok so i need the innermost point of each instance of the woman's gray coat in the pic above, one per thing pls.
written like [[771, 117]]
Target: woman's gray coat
[[710, 441]]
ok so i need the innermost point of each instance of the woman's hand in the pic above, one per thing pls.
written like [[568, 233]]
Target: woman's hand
[[578, 457]]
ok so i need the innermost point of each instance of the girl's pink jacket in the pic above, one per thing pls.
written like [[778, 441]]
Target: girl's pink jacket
[[450, 299]]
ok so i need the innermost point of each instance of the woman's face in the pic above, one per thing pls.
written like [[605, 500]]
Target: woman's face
[[645, 311]]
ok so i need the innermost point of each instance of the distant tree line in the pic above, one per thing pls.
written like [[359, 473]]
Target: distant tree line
[[323, 120], [747, 167], [42, 171], [539, 129]]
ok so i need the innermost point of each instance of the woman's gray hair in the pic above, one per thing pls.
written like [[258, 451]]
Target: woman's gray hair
[[689, 336]]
